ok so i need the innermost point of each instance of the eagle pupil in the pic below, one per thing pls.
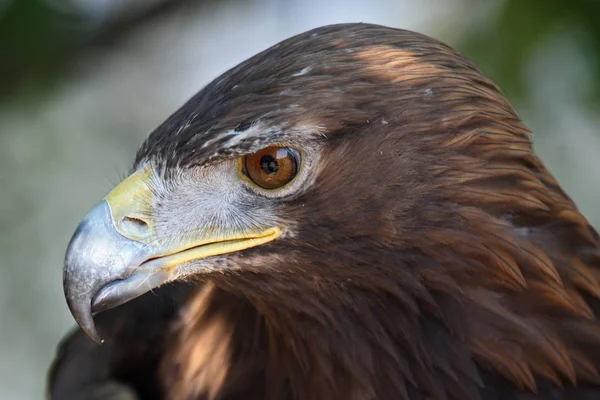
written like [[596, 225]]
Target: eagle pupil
[[269, 164]]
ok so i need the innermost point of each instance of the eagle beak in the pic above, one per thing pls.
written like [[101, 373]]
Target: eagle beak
[[115, 254]]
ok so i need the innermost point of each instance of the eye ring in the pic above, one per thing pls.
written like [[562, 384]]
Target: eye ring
[[272, 167]]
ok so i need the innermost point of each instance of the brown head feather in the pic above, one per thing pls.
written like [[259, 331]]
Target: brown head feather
[[434, 255]]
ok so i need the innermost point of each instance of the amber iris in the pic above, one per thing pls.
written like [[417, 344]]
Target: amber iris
[[272, 167]]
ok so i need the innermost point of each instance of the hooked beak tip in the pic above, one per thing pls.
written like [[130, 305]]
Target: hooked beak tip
[[91, 262], [83, 316], [79, 288]]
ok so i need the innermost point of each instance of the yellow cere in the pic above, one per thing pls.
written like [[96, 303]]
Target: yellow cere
[[130, 202]]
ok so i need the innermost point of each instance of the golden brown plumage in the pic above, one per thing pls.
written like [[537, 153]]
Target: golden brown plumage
[[431, 255]]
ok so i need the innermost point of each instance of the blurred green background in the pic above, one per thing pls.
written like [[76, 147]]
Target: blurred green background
[[83, 81]]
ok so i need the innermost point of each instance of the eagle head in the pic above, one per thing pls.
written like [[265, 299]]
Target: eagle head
[[375, 200]]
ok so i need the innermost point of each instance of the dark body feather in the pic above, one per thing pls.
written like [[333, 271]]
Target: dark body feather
[[434, 257]]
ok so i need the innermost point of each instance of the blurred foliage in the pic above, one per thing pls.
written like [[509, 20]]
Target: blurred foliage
[[503, 42], [40, 38]]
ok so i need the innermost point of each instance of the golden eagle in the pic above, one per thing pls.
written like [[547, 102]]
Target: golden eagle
[[354, 213]]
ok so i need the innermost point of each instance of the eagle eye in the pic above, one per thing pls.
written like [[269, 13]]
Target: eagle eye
[[272, 167]]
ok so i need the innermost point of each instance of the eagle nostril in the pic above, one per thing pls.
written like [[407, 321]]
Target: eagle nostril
[[135, 226]]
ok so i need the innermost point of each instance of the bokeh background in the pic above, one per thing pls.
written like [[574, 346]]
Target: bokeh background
[[82, 82]]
